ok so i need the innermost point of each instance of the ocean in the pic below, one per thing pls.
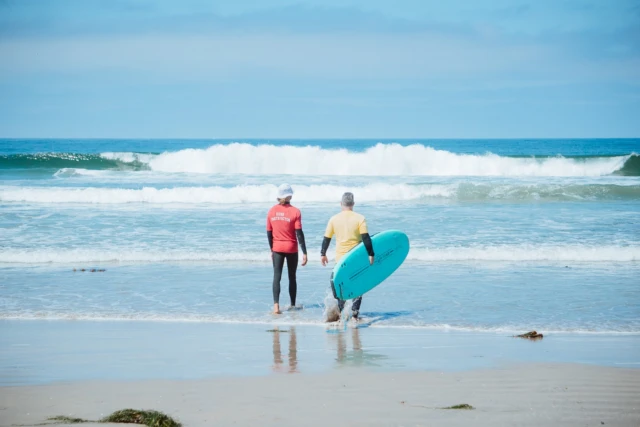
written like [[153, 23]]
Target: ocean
[[506, 235]]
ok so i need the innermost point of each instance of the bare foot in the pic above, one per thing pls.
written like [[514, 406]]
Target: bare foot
[[276, 309]]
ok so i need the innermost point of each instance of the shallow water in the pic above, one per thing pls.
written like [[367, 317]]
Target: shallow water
[[505, 235]]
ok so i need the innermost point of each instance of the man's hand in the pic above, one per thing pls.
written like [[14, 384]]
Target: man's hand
[[324, 260], [370, 260], [304, 260]]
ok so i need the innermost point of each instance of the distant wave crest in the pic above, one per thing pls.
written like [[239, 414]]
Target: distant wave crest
[[67, 160]]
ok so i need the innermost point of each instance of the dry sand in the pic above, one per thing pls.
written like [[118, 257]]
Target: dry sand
[[522, 395]]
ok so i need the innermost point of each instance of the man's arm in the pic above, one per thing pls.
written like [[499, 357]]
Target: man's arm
[[323, 252], [366, 240], [328, 234], [325, 245]]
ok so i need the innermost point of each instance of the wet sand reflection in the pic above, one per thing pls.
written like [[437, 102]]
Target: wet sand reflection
[[292, 357]]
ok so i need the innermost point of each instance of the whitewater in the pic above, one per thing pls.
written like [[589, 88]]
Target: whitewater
[[505, 234], [379, 160]]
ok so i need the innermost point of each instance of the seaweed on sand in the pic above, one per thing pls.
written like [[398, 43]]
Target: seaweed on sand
[[129, 416], [149, 418], [533, 335], [464, 406], [67, 420]]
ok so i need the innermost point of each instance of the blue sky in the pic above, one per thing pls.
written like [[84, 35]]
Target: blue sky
[[319, 69]]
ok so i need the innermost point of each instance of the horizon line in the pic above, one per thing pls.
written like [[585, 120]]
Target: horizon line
[[308, 138]]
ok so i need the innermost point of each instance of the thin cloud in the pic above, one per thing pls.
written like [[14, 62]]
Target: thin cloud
[[123, 20]]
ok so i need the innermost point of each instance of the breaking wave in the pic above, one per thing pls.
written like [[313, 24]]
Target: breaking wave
[[379, 160]]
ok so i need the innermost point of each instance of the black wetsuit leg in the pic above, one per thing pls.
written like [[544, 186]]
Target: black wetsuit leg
[[355, 309], [292, 266], [278, 263]]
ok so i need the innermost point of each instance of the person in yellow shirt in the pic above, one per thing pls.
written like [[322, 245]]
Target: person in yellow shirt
[[350, 228]]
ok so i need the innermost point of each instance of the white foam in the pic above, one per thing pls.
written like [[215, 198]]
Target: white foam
[[529, 253], [319, 322], [128, 157], [217, 194], [505, 253], [73, 172], [76, 256], [380, 160], [265, 193], [155, 317]]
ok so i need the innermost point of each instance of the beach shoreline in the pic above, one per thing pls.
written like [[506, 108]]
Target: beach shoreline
[[526, 394], [262, 374], [287, 373]]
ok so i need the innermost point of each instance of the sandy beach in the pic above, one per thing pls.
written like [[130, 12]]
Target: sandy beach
[[248, 375], [527, 394]]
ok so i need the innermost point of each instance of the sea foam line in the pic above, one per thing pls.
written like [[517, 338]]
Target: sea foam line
[[216, 194], [499, 253], [284, 321], [266, 193]]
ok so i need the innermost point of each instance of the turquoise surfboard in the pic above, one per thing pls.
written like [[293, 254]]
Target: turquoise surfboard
[[353, 276]]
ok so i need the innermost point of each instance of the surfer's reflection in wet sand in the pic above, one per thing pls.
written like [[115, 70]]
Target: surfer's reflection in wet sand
[[293, 351], [357, 356]]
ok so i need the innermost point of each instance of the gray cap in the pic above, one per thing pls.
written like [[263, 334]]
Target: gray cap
[[347, 199]]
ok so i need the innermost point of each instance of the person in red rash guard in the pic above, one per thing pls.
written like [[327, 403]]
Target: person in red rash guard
[[284, 231]]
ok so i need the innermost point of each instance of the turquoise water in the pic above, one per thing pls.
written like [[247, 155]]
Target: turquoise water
[[506, 234]]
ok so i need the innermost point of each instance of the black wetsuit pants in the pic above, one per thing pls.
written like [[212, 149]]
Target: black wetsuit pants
[[355, 308], [292, 266]]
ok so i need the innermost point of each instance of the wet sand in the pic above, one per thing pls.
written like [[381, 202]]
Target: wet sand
[[526, 394], [250, 375]]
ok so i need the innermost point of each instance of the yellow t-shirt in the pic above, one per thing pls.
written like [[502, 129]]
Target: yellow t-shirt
[[347, 226]]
